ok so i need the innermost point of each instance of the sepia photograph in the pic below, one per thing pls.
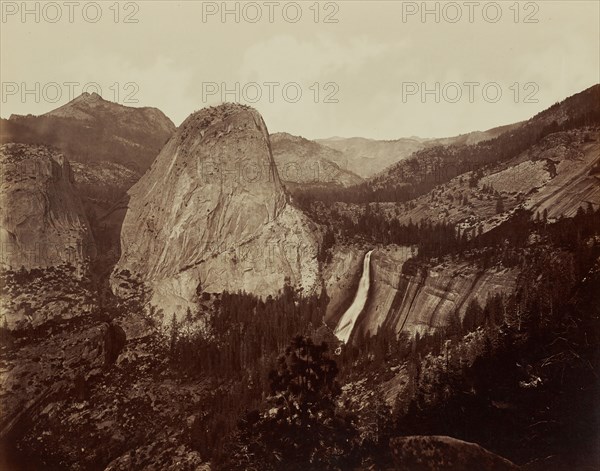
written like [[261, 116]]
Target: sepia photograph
[[354, 235]]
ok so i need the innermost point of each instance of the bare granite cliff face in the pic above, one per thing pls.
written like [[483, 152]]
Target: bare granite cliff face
[[212, 213], [414, 299], [341, 277], [422, 298], [42, 221]]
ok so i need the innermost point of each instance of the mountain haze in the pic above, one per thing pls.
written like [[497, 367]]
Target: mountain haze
[[368, 157]]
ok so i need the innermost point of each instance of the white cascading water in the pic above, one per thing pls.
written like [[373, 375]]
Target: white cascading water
[[346, 323]]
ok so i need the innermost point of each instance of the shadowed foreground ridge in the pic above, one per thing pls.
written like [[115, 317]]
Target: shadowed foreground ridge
[[439, 453]]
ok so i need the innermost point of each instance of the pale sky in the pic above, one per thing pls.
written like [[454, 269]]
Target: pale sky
[[175, 59]]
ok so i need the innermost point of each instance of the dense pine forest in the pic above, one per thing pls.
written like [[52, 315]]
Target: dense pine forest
[[517, 374]]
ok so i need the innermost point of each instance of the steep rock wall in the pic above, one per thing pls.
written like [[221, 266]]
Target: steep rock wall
[[341, 277], [42, 221], [424, 298], [211, 211]]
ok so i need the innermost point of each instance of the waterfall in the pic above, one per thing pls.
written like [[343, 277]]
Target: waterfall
[[346, 323]]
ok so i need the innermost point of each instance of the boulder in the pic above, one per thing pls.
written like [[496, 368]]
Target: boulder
[[441, 453]]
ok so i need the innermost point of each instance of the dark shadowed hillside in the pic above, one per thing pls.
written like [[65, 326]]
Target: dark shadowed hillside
[[90, 129]]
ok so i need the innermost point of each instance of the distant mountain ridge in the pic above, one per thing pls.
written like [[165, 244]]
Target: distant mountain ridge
[[442, 162], [91, 129], [109, 146], [368, 157], [546, 169], [303, 161]]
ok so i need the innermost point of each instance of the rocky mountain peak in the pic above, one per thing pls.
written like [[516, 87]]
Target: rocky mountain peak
[[228, 146], [301, 161], [86, 97], [92, 107], [82, 107], [212, 211], [91, 129]]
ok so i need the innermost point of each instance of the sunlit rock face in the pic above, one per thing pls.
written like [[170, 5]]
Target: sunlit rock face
[[341, 278], [42, 221], [211, 211], [423, 298], [408, 299]]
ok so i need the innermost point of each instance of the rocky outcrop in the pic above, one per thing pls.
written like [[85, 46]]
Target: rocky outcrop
[[572, 159], [212, 212], [83, 395], [440, 453], [30, 299], [386, 265], [80, 359], [346, 324], [66, 405], [42, 221], [109, 147]]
